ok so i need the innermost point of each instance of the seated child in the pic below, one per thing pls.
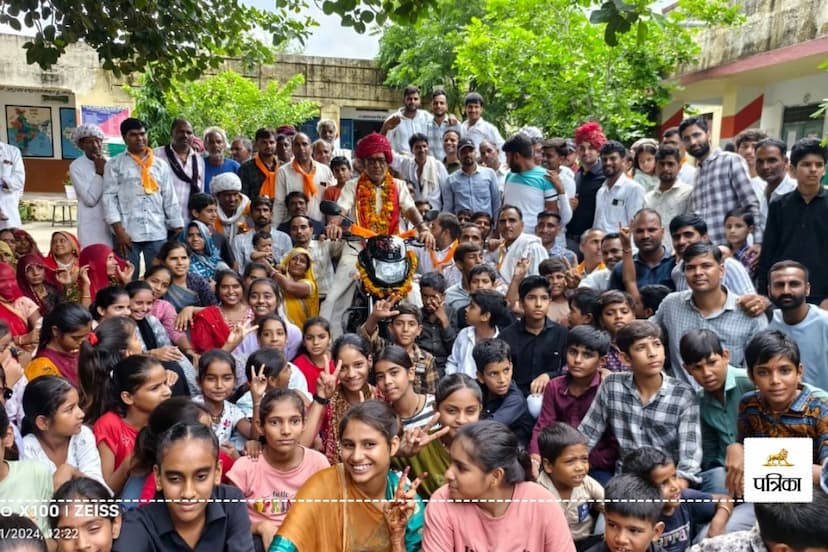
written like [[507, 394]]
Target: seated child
[[406, 325], [631, 525], [83, 511], [565, 474], [568, 397], [582, 304], [278, 371], [780, 527], [646, 407], [554, 270], [482, 276], [502, 400], [615, 310], [486, 311], [781, 406], [439, 328], [683, 510], [723, 386], [649, 299]]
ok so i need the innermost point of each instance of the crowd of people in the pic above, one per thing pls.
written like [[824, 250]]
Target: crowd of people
[[593, 332]]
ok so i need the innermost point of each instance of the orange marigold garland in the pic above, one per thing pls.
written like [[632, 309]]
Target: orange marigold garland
[[387, 220], [383, 293]]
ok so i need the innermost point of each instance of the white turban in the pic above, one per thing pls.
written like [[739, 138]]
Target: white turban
[[85, 131], [225, 182]]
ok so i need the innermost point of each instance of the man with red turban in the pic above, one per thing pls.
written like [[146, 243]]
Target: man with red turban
[[589, 138], [377, 201]]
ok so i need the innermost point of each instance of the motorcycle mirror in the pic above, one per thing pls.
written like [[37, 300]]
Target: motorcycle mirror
[[431, 215], [330, 208]]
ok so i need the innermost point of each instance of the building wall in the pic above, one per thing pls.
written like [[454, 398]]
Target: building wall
[[355, 86]]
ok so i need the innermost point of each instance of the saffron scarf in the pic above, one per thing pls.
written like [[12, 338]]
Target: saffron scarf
[[145, 164], [268, 188], [307, 178]]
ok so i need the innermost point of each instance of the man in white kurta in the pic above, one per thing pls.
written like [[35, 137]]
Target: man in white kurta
[[516, 245], [12, 179], [86, 173], [292, 178]]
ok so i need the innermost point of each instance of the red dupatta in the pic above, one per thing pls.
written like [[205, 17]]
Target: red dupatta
[[9, 293]]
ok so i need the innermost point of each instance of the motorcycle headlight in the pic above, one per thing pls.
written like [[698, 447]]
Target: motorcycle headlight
[[390, 273]]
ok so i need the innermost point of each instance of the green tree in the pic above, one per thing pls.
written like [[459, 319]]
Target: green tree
[[227, 100], [548, 63]]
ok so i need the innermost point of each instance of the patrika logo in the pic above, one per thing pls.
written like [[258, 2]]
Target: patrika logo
[[778, 469], [778, 459]]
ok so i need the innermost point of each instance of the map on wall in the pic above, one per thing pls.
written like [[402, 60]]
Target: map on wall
[[30, 129]]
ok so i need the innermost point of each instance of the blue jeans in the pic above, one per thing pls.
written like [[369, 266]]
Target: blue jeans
[[149, 249], [713, 481]]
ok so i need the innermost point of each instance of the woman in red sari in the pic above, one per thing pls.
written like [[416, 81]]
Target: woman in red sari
[[19, 312], [228, 324], [24, 243], [32, 277], [103, 269]]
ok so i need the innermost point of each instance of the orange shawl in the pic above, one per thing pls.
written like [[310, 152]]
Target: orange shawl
[[307, 178], [268, 188]]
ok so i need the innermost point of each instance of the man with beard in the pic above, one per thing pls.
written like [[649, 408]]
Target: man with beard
[[619, 198], [215, 163], [262, 215], [301, 234], [589, 138], [473, 187], [652, 263], [406, 122], [441, 121], [527, 186], [687, 172], [426, 173], [806, 324], [707, 304], [186, 164], [233, 207], [517, 246], [772, 167], [672, 196], [302, 174], [722, 183], [258, 175]]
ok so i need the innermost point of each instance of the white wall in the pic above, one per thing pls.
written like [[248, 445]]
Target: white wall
[[790, 93]]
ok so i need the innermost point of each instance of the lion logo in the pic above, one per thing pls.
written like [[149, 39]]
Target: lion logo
[[778, 459]]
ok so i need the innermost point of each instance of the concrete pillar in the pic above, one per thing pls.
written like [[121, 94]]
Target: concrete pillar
[[741, 109]]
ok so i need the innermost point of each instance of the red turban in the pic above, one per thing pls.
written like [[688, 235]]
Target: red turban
[[373, 144], [591, 133]]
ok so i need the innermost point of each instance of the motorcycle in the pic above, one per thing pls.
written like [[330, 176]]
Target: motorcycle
[[385, 267]]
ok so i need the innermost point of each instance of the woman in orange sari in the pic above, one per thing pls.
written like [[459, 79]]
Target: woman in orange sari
[[359, 504], [19, 312]]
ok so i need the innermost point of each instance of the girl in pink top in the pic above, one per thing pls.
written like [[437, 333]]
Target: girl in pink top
[[491, 475], [270, 482], [159, 278]]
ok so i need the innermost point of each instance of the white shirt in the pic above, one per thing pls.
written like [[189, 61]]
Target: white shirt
[[92, 228], [526, 245], [82, 454], [399, 135], [597, 280], [460, 359], [13, 176], [669, 204], [182, 189], [787, 185], [430, 182], [617, 205], [687, 173], [288, 180], [484, 130]]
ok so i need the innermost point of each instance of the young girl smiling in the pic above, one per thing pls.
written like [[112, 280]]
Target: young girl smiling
[[316, 350], [270, 482]]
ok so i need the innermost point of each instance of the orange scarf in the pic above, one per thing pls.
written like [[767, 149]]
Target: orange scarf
[[268, 188], [307, 177], [448, 258], [147, 180]]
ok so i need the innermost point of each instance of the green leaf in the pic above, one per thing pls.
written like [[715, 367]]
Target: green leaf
[[642, 33]]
